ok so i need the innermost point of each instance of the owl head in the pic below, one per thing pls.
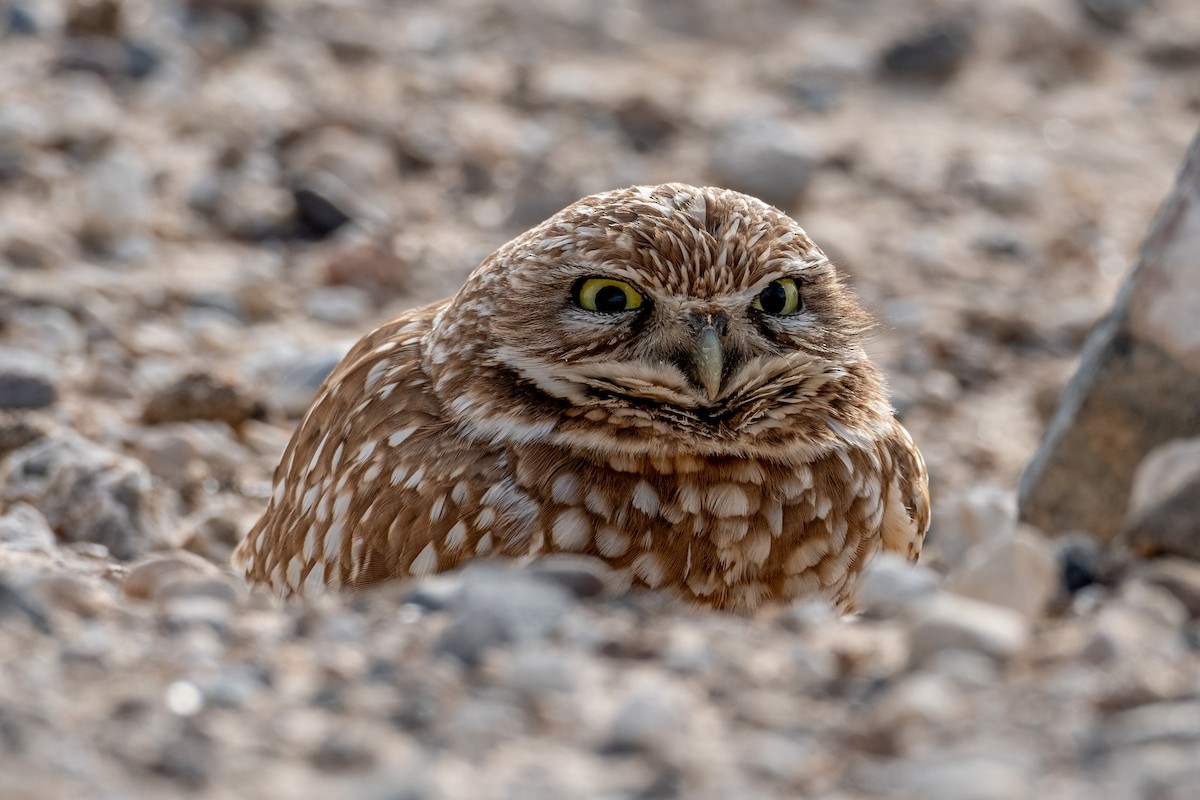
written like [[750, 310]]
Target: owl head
[[657, 317]]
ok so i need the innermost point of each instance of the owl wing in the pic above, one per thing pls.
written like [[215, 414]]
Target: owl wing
[[906, 509], [376, 483]]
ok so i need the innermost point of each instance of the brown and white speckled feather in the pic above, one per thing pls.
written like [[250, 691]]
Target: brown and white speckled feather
[[506, 421]]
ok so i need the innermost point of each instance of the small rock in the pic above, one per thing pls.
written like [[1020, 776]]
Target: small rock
[[1177, 721], [201, 396], [338, 305], [322, 206], [117, 197], [1180, 577], [1141, 621], [582, 576], [153, 575], [767, 158], [27, 379], [933, 54], [17, 602], [648, 719], [293, 389], [892, 584], [93, 18], [470, 635], [1017, 572], [1115, 14], [80, 596], [1164, 504], [1082, 562], [928, 699], [24, 528], [956, 623], [498, 605], [370, 266], [90, 494], [981, 514], [16, 431]]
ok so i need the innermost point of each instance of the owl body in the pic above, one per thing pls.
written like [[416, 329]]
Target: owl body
[[667, 378]]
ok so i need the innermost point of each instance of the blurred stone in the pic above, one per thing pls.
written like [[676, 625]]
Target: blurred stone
[[956, 623], [75, 594], [154, 575], [892, 584], [648, 126], [1082, 561], [582, 576], [1180, 577], [767, 158], [1115, 14], [90, 494], [981, 514], [648, 718], [27, 379], [24, 528], [117, 199], [1164, 504], [1131, 628], [1157, 722], [93, 18], [17, 430], [370, 266], [322, 206], [934, 53], [201, 396], [108, 58], [17, 602], [1016, 571], [1137, 384], [338, 305], [297, 383]]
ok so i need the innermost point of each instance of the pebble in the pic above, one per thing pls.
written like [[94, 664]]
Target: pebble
[[648, 718], [27, 379], [91, 494], [296, 379], [83, 597], [980, 514], [338, 305], [934, 53], [23, 527], [1179, 576], [893, 585], [154, 574], [1115, 14], [1164, 502], [201, 396], [1017, 571], [765, 157], [958, 623]]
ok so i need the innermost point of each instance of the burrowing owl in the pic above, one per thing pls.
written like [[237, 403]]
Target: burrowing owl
[[668, 378]]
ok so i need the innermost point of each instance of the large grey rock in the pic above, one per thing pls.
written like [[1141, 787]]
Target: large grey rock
[[1137, 384], [1164, 506]]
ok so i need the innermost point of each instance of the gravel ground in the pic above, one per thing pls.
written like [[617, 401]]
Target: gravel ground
[[204, 203]]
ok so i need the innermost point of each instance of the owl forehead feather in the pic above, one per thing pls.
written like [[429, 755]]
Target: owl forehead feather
[[674, 239]]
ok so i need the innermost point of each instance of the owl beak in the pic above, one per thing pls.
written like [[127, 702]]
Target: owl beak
[[708, 357]]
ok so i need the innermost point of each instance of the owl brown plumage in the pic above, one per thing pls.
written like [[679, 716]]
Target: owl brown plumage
[[667, 378]]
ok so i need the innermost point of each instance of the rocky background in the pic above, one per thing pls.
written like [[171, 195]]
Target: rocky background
[[203, 203]]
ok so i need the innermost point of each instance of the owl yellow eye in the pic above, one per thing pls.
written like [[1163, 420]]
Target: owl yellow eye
[[780, 298], [606, 295]]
